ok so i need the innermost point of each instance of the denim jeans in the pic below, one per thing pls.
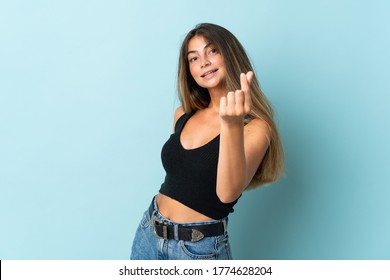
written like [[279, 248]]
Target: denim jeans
[[147, 246]]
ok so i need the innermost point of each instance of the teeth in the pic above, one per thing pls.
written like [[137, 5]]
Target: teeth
[[209, 72]]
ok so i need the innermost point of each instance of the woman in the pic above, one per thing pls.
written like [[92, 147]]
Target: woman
[[225, 141]]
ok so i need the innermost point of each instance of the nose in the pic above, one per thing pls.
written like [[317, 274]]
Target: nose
[[205, 62]]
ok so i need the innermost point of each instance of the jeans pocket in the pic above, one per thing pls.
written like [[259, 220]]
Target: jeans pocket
[[200, 250], [145, 222], [224, 238], [223, 248]]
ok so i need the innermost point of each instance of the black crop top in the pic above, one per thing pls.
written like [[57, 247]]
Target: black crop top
[[191, 175]]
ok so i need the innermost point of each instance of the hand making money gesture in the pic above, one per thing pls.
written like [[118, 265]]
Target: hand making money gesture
[[236, 104]]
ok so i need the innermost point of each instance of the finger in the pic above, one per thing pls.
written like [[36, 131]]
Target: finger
[[239, 102], [222, 106], [248, 104], [231, 101], [244, 82], [249, 77]]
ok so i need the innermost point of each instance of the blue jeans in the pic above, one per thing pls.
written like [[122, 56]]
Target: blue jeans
[[147, 246]]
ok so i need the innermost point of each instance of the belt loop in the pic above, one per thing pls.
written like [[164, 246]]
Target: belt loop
[[165, 231], [154, 202], [224, 226], [153, 215], [176, 232]]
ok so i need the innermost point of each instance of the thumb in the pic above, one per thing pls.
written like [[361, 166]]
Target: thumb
[[249, 77]]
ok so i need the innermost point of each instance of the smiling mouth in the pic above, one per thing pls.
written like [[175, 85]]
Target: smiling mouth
[[209, 72]]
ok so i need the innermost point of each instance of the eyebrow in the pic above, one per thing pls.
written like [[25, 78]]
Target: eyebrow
[[205, 47]]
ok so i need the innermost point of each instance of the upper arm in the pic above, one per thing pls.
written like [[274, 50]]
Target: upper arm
[[256, 141]]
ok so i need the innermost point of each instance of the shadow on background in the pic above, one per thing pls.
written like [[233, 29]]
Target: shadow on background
[[264, 225]]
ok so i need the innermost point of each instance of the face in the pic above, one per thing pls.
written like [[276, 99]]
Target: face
[[206, 64]]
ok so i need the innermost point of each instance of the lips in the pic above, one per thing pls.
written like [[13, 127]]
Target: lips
[[208, 73]]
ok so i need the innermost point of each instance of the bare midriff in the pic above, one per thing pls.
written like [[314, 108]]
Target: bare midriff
[[178, 212]]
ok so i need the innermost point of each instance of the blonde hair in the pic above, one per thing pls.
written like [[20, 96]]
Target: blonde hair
[[193, 97]]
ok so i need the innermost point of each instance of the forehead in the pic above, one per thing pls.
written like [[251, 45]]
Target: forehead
[[197, 43]]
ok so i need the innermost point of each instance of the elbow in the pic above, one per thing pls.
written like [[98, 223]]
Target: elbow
[[227, 196], [229, 191]]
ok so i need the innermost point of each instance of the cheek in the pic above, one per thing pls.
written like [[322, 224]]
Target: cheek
[[220, 62], [217, 59], [193, 72]]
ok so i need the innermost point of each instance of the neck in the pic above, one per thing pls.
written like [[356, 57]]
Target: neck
[[215, 97]]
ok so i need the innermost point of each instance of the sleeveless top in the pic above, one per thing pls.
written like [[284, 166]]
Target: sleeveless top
[[191, 175]]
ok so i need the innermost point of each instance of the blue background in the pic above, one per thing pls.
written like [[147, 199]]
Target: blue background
[[87, 96]]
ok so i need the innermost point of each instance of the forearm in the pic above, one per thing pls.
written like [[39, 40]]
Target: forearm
[[232, 172], [232, 167]]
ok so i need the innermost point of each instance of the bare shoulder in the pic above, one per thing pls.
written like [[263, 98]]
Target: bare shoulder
[[178, 113], [258, 128]]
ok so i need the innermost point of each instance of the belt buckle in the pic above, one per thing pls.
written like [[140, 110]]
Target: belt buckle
[[156, 221], [196, 235]]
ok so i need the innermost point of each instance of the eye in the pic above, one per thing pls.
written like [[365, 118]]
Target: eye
[[213, 51], [192, 59]]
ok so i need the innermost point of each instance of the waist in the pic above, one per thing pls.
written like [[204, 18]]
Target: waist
[[188, 231], [176, 211]]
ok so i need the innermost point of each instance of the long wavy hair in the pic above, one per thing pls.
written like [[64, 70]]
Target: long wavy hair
[[193, 97]]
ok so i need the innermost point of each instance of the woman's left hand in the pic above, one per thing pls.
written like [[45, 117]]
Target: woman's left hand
[[236, 104]]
